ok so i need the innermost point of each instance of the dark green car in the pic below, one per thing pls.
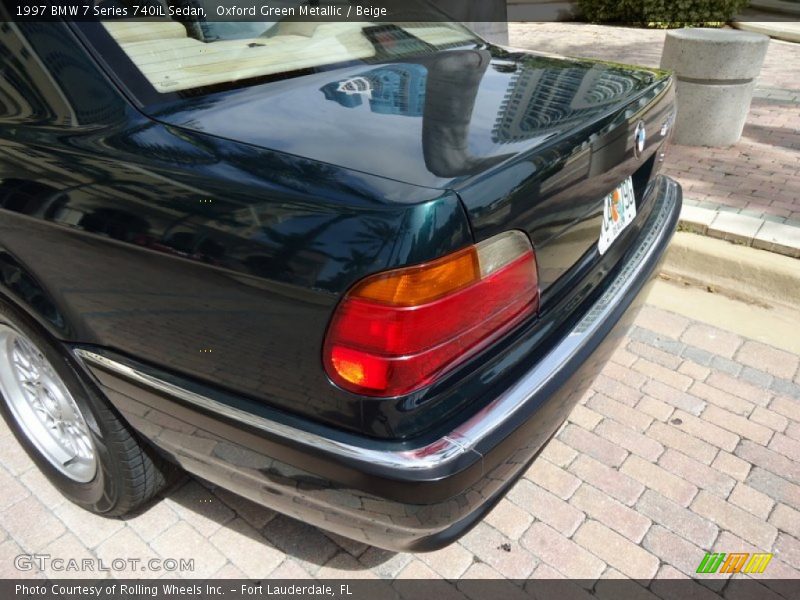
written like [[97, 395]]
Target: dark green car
[[356, 272]]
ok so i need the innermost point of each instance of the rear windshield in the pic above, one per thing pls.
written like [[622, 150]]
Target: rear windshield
[[201, 55]]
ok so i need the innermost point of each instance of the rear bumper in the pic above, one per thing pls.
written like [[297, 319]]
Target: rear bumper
[[393, 495]]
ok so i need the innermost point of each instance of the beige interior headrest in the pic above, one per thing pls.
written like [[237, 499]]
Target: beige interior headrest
[[129, 32]]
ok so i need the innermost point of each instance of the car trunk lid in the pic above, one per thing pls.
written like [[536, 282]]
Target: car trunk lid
[[436, 121], [529, 141]]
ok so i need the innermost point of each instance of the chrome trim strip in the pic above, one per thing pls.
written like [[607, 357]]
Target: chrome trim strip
[[427, 457], [466, 437]]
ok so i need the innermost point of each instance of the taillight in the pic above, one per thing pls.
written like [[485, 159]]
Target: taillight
[[396, 332]]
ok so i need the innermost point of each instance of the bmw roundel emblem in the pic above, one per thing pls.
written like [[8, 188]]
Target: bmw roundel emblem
[[639, 139]]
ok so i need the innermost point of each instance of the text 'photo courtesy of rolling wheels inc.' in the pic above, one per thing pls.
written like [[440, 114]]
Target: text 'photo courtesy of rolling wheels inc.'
[[400, 299]]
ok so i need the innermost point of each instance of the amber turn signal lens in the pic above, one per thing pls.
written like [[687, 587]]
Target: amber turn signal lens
[[423, 283]]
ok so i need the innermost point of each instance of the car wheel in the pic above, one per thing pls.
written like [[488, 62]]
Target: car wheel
[[69, 429]]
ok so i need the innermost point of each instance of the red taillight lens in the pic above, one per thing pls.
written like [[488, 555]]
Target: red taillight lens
[[396, 332]]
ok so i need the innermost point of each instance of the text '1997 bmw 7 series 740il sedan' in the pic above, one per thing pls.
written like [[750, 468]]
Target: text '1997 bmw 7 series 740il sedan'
[[357, 272]]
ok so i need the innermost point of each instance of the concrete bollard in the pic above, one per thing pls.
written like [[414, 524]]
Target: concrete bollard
[[715, 72]]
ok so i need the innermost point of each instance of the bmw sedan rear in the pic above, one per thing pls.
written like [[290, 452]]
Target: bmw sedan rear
[[359, 273]]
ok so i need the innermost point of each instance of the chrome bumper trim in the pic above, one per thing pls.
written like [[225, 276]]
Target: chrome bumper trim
[[427, 457]]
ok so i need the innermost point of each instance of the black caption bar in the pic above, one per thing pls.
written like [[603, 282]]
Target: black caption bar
[[633, 12], [258, 10], [417, 589]]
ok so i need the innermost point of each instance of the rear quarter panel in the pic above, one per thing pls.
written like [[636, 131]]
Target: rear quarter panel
[[212, 259]]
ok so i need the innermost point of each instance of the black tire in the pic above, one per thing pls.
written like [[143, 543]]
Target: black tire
[[129, 472]]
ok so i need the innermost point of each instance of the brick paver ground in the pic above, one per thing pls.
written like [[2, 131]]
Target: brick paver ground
[[689, 441], [759, 176]]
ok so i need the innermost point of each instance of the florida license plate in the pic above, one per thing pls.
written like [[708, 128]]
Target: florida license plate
[[619, 210]]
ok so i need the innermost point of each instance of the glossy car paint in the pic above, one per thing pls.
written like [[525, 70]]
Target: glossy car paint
[[225, 250]]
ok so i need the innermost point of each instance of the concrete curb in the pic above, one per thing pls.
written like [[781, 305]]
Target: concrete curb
[[746, 273], [779, 238], [788, 32], [776, 18]]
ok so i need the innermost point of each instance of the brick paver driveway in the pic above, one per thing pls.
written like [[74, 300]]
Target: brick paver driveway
[[688, 442]]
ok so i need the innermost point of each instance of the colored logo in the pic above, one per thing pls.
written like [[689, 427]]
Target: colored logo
[[735, 562], [616, 196], [639, 138]]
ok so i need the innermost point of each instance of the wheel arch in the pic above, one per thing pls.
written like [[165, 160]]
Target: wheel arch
[[24, 291]]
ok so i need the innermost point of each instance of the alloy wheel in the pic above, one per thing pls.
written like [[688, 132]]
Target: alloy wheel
[[44, 408]]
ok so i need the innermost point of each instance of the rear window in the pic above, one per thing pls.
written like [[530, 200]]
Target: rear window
[[191, 57]]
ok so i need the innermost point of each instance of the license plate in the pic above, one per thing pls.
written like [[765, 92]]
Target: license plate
[[619, 210]]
